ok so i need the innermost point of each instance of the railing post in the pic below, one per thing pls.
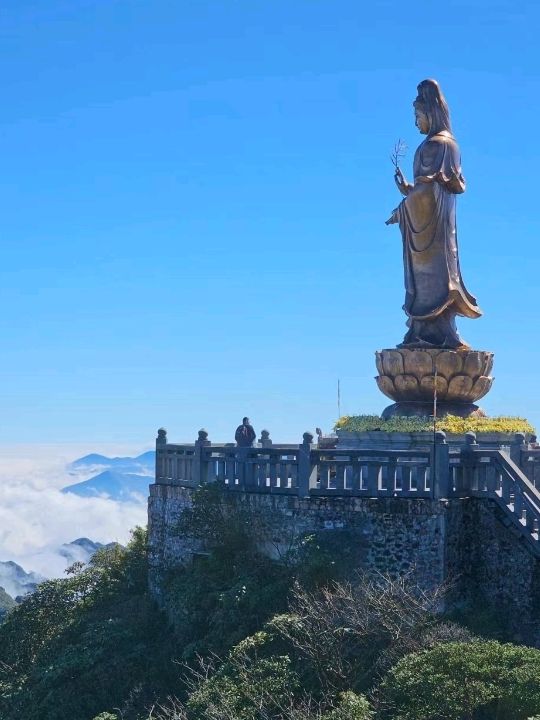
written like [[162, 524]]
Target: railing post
[[532, 464], [440, 467], [199, 467], [161, 441], [305, 468], [467, 459], [240, 461], [516, 448], [265, 439]]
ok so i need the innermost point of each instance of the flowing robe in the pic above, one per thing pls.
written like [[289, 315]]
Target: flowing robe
[[435, 292]]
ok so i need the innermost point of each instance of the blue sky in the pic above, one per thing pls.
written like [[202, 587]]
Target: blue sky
[[193, 198]]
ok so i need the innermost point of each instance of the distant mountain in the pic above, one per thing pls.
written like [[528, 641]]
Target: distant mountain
[[81, 550], [111, 484], [15, 581], [141, 465], [7, 603]]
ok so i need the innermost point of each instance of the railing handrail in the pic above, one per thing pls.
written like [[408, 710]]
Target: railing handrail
[[504, 460], [358, 452]]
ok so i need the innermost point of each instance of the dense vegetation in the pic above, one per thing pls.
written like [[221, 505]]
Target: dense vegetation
[[448, 423], [6, 603], [245, 637]]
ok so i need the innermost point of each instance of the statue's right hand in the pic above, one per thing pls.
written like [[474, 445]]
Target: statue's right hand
[[394, 217]]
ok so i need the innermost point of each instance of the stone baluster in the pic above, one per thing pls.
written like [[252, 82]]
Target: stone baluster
[[306, 470], [199, 466], [440, 467], [517, 448], [467, 461], [161, 441]]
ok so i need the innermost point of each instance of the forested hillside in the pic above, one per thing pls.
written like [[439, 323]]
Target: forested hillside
[[244, 637], [6, 603]]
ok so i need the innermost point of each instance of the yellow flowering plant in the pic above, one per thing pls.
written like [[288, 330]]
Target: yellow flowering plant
[[448, 423]]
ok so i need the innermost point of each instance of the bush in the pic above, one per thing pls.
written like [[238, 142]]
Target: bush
[[350, 707], [246, 686], [457, 681], [347, 635]]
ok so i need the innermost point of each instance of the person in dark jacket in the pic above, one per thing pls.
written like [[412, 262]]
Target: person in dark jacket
[[245, 434]]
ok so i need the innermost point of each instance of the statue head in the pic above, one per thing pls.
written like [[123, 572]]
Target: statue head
[[431, 109]]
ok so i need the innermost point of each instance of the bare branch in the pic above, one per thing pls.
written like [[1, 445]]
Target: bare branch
[[398, 153]]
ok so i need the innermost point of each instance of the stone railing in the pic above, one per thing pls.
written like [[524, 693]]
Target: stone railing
[[527, 457], [304, 469], [441, 471], [493, 474]]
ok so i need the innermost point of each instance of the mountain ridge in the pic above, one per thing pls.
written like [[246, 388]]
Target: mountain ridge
[[113, 485]]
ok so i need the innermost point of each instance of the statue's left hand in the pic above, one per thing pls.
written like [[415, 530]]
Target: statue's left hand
[[403, 186], [393, 218]]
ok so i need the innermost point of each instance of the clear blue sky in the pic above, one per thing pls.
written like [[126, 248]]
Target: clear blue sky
[[193, 196]]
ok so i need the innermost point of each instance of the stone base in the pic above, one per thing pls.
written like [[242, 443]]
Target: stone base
[[425, 409]]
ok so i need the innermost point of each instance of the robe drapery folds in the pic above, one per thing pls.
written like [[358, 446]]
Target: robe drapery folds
[[427, 220]]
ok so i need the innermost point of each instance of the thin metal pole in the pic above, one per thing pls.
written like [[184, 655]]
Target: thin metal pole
[[338, 399], [434, 430], [434, 404]]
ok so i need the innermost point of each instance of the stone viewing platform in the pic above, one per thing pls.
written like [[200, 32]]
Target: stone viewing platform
[[451, 509]]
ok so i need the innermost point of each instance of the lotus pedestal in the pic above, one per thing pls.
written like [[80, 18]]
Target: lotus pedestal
[[409, 378]]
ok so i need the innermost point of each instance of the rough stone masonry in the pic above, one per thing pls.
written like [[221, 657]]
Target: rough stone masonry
[[463, 541]]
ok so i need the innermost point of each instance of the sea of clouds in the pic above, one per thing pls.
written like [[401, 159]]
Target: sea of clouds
[[36, 518]]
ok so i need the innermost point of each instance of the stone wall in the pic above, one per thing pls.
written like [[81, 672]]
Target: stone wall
[[467, 541], [493, 566], [391, 534]]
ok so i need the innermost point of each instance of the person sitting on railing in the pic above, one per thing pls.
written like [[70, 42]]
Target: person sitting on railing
[[245, 434]]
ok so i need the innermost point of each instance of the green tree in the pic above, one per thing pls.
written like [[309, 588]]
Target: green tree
[[246, 687], [7, 603], [464, 681], [86, 644]]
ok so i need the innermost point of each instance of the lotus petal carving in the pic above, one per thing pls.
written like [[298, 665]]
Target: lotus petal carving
[[406, 386], [409, 374], [392, 362], [474, 364], [386, 386], [481, 387], [448, 364], [427, 384], [417, 363], [488, 366], [459, 387]]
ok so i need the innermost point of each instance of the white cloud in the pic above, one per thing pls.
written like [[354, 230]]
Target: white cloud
[[36, 518]]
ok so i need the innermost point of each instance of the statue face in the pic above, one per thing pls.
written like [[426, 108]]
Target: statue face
[[421, 121]]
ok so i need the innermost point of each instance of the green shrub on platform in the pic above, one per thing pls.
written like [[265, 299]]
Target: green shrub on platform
[[449, 424]]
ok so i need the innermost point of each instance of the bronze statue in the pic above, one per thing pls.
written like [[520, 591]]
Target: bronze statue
[[435, 292]]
